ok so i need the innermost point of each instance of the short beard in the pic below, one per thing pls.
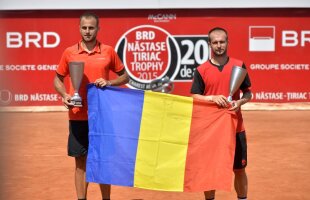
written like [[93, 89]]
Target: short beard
[[219, 55]]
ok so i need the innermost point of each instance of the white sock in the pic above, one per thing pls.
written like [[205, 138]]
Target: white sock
[[242, 198]]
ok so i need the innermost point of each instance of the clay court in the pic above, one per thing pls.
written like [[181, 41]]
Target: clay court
[[34, 164]]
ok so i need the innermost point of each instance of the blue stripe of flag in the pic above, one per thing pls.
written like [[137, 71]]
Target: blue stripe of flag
[[112, 151]]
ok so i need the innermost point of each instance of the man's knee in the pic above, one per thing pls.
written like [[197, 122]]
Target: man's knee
[[239, 171], [80, 162]]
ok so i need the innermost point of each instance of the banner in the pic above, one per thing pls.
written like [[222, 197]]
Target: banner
[[273, 43], [159, 141]]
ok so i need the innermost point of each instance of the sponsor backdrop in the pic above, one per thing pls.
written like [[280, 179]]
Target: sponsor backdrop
[[274, 44]]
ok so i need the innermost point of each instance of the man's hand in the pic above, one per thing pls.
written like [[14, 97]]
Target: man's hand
[[235, 105], [66, 99], [247, 96], [220, 100], [102, 82]]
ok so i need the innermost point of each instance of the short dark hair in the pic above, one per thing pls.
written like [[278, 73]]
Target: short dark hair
[[90, 15], [217, 29]]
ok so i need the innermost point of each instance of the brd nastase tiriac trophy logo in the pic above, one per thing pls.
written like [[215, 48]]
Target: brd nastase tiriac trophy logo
[[150, 52]]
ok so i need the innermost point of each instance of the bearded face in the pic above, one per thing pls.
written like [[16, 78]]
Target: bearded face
[[218, 43]]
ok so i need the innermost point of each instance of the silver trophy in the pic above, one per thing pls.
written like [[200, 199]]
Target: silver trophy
[[237, 77], [164, 85], [76, 73]]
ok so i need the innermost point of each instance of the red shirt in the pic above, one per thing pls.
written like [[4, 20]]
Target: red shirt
[[214, 80], [97, 64]]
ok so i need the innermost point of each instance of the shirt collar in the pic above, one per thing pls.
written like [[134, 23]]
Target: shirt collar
[[81, 49]]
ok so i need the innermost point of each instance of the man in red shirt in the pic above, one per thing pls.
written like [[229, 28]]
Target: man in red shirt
[[211, 83], [98, 60]]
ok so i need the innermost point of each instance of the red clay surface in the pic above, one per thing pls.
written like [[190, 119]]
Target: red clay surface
[[34, 164]]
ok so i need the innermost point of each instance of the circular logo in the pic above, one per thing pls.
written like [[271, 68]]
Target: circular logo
[[5, 97], [148, 53]]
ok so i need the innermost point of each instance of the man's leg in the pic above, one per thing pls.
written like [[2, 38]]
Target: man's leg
[[209, 194], [77, 148], [240, 163], [105, 191], [241, 183], [80, 177]]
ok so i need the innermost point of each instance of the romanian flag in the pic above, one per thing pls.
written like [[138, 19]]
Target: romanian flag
[[159, 141]]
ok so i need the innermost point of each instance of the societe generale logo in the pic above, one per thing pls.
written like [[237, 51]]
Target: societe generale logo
[[263, 38]]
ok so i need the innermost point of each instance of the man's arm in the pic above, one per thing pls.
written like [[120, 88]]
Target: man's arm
[[220, 100], [122, 79], [198, 87], [246, 97], [61, 89]]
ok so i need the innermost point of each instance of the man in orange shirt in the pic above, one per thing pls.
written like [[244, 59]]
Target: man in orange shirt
[[98, 60]]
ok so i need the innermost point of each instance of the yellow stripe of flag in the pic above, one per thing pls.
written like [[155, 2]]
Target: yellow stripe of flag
[[163, 142]]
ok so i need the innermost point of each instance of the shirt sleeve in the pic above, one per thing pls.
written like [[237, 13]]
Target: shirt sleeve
[[63, 68], [117, 64], [198, 85], [246, 84]]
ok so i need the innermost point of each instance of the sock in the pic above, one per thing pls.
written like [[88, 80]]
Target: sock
[[242, 198]]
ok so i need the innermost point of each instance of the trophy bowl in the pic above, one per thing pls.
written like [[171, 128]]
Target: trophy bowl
[[237, 77], [76, 70]]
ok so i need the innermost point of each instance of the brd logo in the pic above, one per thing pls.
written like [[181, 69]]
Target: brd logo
[[32, 39]]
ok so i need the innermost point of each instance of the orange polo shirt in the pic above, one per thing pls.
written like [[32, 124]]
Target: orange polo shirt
[[97, 64]]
